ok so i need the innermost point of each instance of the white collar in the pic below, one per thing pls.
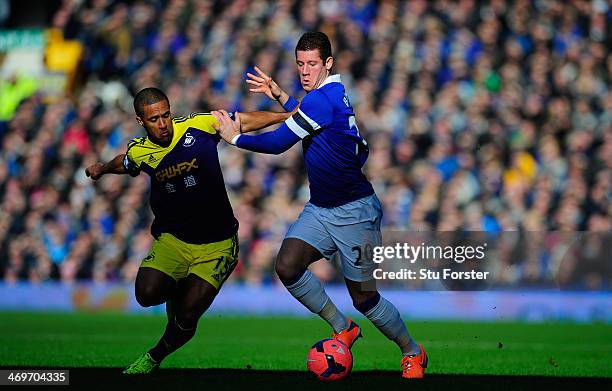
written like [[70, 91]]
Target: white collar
[[331, 79]]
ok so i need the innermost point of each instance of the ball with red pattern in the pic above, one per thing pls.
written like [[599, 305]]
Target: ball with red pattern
[[330, 359]]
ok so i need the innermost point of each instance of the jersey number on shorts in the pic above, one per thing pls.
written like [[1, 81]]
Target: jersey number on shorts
[[224, 268], [368, 250]]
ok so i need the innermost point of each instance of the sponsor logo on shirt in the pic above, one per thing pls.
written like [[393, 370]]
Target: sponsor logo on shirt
[[177, 169]]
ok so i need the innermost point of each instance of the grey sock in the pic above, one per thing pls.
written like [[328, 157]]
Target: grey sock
[[387, 319], [309, 291], [334, 317]]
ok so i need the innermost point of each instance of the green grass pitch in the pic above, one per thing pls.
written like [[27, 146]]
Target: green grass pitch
[[272, 351]]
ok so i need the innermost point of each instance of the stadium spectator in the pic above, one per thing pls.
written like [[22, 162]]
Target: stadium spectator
[[486, 116]]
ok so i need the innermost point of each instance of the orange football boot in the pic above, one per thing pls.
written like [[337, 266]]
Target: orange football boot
[[350, 335], [413, 366]]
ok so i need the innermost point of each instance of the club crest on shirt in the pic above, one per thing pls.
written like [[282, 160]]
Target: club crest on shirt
[[189, 140]]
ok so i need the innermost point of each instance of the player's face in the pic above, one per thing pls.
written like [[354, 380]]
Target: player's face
[[313, 70], [157, 122]]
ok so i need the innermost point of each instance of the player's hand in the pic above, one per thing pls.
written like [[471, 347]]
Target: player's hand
[[95, 171], [226, 128], [263, 84]]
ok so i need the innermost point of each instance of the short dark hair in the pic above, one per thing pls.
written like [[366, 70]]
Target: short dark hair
[[315, 40], [148, 96]]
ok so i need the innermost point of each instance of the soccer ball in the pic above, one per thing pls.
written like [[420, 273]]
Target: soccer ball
[[330, 360]]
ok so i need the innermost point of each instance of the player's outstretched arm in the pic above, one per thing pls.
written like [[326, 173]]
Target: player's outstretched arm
[[256, 120], [264, 84], [115, 166], [274, 142]]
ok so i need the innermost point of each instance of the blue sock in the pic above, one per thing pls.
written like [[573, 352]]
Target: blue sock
[[309, 291]]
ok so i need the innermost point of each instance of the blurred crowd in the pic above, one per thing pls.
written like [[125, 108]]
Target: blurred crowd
[[481, 116]]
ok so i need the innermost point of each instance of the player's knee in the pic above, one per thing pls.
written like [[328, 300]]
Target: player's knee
[[285, 270], [282, 269], [148, 296], [365, 301]]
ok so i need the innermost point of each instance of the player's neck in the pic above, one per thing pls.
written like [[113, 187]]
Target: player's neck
[[320, 83], [163, 144]]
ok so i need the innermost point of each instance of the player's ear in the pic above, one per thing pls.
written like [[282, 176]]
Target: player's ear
[[329, 63], [139, 120]]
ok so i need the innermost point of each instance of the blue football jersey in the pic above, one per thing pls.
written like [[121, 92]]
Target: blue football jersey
[[334, 151]]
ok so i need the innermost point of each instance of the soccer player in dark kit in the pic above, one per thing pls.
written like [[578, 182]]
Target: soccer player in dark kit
[[196, 245]]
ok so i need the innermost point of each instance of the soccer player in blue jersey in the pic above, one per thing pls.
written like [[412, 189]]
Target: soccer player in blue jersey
[[343, 215], [196, 246]]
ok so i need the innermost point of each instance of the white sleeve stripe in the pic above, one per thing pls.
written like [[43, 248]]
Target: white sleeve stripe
[[295, 128], [315, 126]]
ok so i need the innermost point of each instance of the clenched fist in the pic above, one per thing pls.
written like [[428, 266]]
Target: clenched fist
[[95, 171]]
